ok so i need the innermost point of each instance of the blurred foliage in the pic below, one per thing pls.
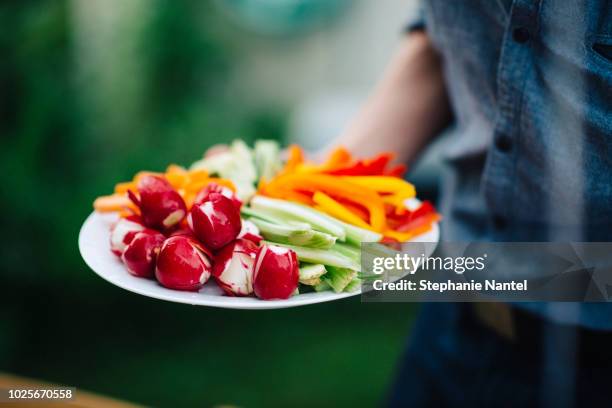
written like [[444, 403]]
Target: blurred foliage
[[90, 93]]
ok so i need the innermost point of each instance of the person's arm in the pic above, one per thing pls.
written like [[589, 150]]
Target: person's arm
[[408, 107]]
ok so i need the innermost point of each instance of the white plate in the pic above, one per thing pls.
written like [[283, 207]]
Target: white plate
[[94, 245]]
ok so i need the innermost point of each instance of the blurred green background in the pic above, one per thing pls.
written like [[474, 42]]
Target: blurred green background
[[93, 91]]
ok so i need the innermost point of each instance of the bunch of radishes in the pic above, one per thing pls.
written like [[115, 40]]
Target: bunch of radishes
[[182, 248]]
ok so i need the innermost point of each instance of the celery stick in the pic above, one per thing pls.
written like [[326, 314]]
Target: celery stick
[[353, 285], [235, 164], [357, 235], [318, 220], [322, 287], [311, 282], [275, 218], [311, 271], [319, 240], [250, 213], [267, 158], [327, 257], [351, 251], [339, 278], [280, 229], [288, 234]]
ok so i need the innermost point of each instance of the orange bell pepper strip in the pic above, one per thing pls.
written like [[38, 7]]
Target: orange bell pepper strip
[[396, 201], [296, 157], [403, 236], [336, 187], [398, 236], [338, 158], [274, 188], [194, 176], [189, 198], [298, 197], [383, 184], [179, 177], [355, 208], [176, 180], [175, 169], [337, 210]]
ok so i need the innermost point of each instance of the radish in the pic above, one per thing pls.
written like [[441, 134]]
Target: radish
[[183, 264], [122, 233], [233, 269], [161, 206], [215, 222], [216, 188], [276, 272], [250, 231], [139, 256], [186, 231]]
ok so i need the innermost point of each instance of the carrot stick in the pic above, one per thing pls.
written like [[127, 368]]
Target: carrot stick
[[111, 203], [121, 188]]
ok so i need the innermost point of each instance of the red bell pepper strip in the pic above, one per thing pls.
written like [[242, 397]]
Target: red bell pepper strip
[[397, 171], [369, 167]]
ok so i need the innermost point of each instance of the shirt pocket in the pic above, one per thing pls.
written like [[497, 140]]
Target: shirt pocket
[[599, 51], [598, 74], [597, 128]]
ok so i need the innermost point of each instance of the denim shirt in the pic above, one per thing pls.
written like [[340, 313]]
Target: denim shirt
[[530, 154]]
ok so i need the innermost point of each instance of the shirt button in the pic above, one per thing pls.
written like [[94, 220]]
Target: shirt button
[[521, 35], [499, 222], [503, 143]]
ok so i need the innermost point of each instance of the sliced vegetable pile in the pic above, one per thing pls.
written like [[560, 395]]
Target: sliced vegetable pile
[[369, 194], [302, 224]]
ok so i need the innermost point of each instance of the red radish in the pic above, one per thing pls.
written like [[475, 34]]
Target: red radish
[[233, 269], [250, 231], [183, 264], [215, 222], [122, 233], [160, 205], [276, 272], [216, 188], [182, 231], [139, 256]]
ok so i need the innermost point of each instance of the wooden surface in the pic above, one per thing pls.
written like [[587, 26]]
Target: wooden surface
[[82, 399]]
